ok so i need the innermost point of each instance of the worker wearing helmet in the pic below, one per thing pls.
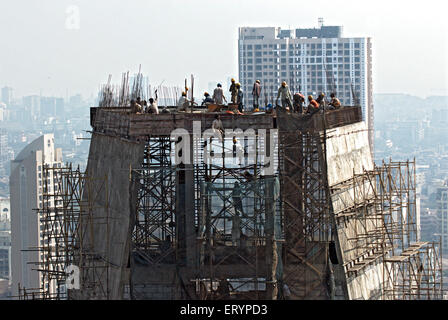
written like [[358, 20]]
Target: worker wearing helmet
[[313, 105], [285, 95], [239, 96], [321, 100], [298, 100], [233, 90], [183, 102], [256, 91], [207, 99]]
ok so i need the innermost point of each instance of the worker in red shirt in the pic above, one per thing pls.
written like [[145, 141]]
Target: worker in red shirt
[[313, 105]]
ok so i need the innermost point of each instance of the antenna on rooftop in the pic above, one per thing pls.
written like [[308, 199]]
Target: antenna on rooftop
[[321, 22]]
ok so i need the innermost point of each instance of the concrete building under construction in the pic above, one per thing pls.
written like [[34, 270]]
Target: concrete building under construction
[[286, 207]]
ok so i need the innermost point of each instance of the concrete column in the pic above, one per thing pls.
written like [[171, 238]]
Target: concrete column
[[190, 230], [271, 245]]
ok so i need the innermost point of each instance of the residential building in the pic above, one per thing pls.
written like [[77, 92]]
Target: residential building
[[26, 184], [7, 96], [442, 201], [309, 60]]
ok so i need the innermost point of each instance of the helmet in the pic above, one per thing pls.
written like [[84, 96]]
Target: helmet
[[238, 85], [206, 94], [186, 88], [284, 84], [322, 94], [258, 81], [310, 97], [233, 80]]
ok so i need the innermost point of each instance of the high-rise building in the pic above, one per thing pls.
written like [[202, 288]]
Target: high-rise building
[[32, 106], [7, 96], [442, 201], [6, 153], [51, 106], [310, 61], [5, 240], [26, 184]]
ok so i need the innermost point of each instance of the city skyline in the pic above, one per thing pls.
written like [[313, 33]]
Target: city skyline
[[69, 39]]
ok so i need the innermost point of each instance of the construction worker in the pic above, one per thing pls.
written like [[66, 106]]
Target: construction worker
[[313, 106], [285, 95], [218, 95], [135, 107], [207, 99], [321, 100], [183, 102], [298, 100], [239, 96], [256, 91], [233, 91], [218, 127], [334, 103], [153, 105], [236, 198]]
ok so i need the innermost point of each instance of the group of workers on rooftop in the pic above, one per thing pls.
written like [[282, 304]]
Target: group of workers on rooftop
[[292, 103]]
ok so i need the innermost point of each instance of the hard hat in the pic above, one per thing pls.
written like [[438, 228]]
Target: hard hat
[[186, 88], [238, 85], [206, 93], [258, 81], [310, 97], [283, 83], [322, 94], [233, 80], [301, 95]]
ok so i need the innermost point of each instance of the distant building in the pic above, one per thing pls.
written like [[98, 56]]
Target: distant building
[[32, 106], [75, 101], [6, 153], [5, 217], [7, 96], [5, 240], [309, 60], [51, 106], [5, 254], [26, 196], [442, 201]]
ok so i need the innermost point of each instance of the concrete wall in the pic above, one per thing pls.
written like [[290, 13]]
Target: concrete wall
[[348, 153], [109, 164]]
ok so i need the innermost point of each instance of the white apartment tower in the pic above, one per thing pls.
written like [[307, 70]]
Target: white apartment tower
[[310, 61], [26, 184]]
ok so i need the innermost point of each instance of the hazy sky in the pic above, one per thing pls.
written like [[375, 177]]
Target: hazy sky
[[44, 49]]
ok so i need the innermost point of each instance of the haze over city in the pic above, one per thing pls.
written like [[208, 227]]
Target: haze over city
[[62, 47], [223, 150]]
